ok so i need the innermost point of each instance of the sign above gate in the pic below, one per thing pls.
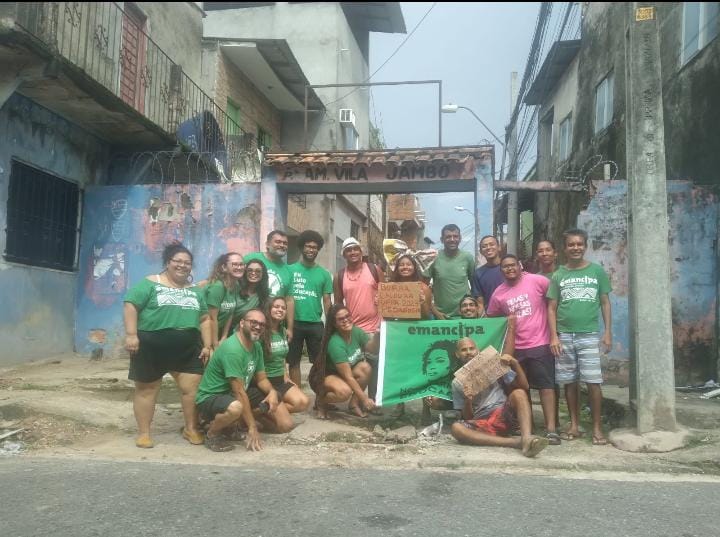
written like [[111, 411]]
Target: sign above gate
[[416, 170]]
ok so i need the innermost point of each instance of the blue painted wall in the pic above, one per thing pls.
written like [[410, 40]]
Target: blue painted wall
[[693, 214], [37, 318], [124, 231]]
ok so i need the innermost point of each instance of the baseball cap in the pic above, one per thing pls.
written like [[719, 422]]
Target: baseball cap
[[350, 241]]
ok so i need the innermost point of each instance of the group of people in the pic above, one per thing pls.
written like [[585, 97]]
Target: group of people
[[233, 343]]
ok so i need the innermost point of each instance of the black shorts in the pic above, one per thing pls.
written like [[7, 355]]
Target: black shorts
[[308, 333], [163, 351], [217, 404], [539, 366], [281, 387]]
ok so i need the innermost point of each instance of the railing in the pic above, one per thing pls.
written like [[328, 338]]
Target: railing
[[110, 45]]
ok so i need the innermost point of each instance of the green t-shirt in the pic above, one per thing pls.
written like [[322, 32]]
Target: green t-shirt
[[279, 276], [308, 287], [160, 306], [275, 363], [578, 294], [217, 296], [231, 360], [451, 280], [339, 351]]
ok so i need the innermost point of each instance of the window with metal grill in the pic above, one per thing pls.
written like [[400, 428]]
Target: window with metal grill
[[42, 219]]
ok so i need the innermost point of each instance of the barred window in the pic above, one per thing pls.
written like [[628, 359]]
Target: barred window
[[42, 219]]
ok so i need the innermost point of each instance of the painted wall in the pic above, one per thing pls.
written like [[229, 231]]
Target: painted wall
[[693, 213], [39, 322], [124, 231]]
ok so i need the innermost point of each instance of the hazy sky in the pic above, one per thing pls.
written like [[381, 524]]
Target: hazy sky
[[472, 48]]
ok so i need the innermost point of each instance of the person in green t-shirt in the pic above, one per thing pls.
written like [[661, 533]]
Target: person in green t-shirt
[[253, 292], [279, 276], [451, 273], [226, 397], [546, 256], [578, 293], [165, 318], [221, 293], [311, 289], [341, 372], [275, 349]]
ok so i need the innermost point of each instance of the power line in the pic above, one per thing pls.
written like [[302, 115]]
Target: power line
[[408, 36]]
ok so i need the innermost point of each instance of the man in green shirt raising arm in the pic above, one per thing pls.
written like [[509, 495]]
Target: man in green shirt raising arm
[[279, 275]]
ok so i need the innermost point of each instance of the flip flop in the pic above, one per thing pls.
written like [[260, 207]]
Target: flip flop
[[599, 441], [553, 438], [566, 435], [357, 411], [537, 444]]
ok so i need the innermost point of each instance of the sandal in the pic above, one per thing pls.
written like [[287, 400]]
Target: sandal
[[536, 445], [218, 444], [567, 435], [194, 437], [235, 435], [599, 441], [144, 441], [553, 438]]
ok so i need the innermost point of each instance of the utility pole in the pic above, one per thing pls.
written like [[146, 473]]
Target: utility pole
[[513, 217], [649, 268]]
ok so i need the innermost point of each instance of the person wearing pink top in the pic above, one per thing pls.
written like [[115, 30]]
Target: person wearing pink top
[[523, 295], [356, 286]]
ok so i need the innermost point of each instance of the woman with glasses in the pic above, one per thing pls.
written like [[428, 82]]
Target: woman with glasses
[[275, 348], [166, 319], [341, 372], [222, 293]]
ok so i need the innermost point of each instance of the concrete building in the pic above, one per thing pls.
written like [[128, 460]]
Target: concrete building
[[580, 92], [280, 47], [93, 94]]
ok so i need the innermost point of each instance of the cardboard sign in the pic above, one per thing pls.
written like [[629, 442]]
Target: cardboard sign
[[399, 300], [481, 371]]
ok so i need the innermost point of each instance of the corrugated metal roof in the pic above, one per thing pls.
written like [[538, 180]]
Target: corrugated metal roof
[[368, 158]]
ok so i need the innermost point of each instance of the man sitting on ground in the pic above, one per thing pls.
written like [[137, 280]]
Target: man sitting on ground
[[491, 415], [223, 395]]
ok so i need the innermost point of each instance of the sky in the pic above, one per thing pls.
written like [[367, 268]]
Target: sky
[[473, 48]]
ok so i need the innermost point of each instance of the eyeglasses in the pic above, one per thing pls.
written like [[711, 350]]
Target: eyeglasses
[[182, 262], [259, 324], [237, 265], [254, 271], [508, 267], [343, 319]]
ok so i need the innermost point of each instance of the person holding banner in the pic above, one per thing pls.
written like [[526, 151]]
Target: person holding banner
[[492, 414], [469, 308], [340, 372]]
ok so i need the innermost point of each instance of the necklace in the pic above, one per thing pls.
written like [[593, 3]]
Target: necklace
[[349, 274]]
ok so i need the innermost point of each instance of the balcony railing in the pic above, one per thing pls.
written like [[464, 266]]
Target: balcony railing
[[110, 45]]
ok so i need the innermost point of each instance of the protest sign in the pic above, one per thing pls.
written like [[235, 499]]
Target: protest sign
[[481, 371], [417, 358], [399, 300]]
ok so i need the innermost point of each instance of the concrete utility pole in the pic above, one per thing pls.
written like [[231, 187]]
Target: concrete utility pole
[[513, 217], [650, 309]]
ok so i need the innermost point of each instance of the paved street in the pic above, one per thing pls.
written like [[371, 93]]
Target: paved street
[[86, 498]]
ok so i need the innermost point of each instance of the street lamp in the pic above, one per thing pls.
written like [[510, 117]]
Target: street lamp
[[460, 208], [452, 108]]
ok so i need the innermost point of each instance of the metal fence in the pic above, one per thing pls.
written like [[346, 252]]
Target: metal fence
[[110, 45]]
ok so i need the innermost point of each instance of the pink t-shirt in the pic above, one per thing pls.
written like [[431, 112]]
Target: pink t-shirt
[[360, 299], [525, 299]]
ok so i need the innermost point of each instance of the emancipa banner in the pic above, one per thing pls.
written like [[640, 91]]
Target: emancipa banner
[[417, 358]]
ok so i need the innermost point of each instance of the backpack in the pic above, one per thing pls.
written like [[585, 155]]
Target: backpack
[[337, 284]]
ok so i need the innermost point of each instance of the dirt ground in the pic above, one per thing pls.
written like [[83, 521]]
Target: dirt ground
[[69, 406]]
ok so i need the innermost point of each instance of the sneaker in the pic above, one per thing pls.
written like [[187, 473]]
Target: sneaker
[[218, 444]]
